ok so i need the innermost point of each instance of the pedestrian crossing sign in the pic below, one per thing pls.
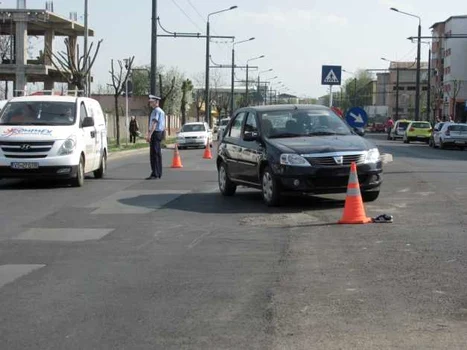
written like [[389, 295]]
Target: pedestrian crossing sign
[[331, 75]]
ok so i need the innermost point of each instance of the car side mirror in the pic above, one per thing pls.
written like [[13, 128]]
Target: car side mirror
[[88, 121], [251, 136], [360, 131]]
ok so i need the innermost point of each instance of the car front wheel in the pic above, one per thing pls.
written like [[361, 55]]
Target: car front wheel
[[270, 188], [226, 186]]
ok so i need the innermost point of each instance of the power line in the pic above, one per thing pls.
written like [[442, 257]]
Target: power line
[[196, 10], [187, 16]]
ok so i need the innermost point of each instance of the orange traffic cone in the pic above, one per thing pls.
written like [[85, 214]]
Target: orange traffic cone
[[207, 152], [354, 212], [176, 161]]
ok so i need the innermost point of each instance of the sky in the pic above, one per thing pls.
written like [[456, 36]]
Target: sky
[[296, 37]]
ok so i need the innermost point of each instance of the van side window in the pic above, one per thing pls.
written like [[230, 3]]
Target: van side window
[[82, 113]]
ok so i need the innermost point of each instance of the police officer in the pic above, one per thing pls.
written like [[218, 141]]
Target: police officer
[[154, 137]]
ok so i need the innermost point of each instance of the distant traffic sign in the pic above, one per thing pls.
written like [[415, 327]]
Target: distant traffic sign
[[331, 75], [356, 117]]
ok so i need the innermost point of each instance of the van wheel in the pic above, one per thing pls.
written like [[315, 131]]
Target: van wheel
[[78, 180], [100, 173]]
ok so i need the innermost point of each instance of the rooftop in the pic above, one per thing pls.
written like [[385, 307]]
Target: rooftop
[[40, 21]]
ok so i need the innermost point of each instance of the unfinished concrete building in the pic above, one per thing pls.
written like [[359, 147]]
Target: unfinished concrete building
[[16, 25]]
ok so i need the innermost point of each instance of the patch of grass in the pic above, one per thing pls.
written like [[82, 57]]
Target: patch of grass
[[140, 143]]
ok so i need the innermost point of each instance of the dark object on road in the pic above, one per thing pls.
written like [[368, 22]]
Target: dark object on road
[[295, 148], [384, 218]]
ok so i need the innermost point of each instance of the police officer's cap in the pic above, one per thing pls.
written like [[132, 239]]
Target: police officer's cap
[[154, 98]]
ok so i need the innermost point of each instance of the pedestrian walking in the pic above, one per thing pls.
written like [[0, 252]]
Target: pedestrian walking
[[134, 128], [155, 136]]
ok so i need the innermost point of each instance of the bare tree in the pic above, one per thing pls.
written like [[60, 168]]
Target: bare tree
[[453, 93], [119, 79], [73, 67], [187, 87]]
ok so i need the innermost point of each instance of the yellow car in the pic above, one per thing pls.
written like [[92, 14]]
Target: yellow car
[[417, 131]]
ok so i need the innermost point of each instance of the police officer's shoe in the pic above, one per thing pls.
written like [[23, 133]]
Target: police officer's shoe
[[151, 177]]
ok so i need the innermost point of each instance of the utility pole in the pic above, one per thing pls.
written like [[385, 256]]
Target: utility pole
[[86, 35], [207, 98], [153, 83], [397, 91], [428, 90]]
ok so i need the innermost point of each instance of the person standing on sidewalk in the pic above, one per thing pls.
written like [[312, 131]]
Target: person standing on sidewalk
[[134, 128], [154, 137]]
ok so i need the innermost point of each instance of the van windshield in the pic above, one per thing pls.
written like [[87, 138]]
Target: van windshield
[[38, 113]]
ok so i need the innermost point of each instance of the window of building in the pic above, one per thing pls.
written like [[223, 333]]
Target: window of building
[[411, 88], [424, 88]]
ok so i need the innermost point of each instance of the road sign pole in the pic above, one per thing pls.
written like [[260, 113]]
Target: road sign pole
[[330, 95]]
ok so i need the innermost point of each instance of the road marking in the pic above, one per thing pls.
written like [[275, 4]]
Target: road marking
[[64, 234], [10, 273], [197, 240], [404, 190]]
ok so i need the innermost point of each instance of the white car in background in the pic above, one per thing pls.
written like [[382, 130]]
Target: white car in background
[[451, 135], [222, 125], [196, 134]]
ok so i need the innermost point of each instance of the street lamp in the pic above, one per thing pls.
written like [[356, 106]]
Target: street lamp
[[207, 102], [251, 59], [417, 87], [232, 83]]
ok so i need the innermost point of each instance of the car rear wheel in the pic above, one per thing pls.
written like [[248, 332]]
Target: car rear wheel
[[441, 144], [370, 196], [100, 173], [270, 188], [226, 187]]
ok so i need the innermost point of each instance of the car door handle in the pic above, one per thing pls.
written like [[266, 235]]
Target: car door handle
[[93, 134]]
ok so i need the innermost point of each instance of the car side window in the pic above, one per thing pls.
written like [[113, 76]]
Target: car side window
[[82, 113], [236, 126], [250, 124]]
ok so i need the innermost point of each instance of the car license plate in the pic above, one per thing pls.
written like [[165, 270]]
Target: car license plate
[[24, 165]]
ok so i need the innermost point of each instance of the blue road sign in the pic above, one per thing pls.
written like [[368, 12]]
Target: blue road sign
[[331, 75], [356, 117]]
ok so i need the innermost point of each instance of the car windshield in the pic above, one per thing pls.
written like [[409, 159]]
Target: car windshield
[[38, 113], [403, 125], [224, 122], [193, 128], [421, 125], [299, 123]]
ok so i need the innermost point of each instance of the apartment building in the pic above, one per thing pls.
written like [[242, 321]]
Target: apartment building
[[449, 60], [397, 89]]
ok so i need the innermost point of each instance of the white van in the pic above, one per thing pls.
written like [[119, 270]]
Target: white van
[[52, 137]]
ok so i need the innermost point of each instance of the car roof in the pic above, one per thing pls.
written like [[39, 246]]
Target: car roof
[[194, 123], [420, 121], [43, 98], [284, 107]]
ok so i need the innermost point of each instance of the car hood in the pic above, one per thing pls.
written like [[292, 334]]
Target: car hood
[[192, 133], [322, 144]]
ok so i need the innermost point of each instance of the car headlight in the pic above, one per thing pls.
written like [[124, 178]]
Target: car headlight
[[68, 146], [293, 160], [372, 156]]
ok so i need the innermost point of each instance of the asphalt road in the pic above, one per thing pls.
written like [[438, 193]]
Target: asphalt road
[[124, 263]]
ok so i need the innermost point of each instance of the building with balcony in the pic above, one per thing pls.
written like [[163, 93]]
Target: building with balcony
[[448, 59]]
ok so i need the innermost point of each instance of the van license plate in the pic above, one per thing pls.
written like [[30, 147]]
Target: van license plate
[[24, 165]]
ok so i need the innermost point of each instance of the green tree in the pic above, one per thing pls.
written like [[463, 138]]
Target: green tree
[[187, 87]]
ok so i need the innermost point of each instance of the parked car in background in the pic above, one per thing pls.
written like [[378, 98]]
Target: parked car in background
[[451, 135], [295, 148], [377, 127], [436, 130], [417, 131], [398, 130], [195, 134], [222, 125]]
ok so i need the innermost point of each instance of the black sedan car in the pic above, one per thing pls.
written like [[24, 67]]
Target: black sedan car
[[294, 148]]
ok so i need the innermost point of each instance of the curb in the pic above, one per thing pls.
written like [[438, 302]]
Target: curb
[[127, 153]]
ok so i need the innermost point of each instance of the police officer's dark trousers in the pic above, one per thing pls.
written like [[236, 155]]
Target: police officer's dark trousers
[[155, 153]]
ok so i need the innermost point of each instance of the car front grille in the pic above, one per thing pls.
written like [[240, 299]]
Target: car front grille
[[26, 149], [335, 159]]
